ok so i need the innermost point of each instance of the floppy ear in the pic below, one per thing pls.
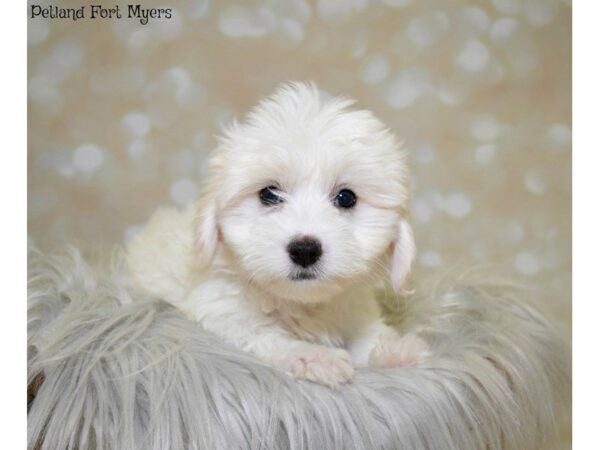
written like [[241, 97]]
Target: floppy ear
[[206, 229], [403, 255]]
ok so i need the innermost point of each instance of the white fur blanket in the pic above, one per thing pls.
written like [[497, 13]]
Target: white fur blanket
[[125, 374]]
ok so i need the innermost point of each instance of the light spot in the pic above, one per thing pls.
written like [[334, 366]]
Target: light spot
[[424, 154], [137, 148], [515, 232], [42, 91], [484, 154], [87, 158], [180, 80], [551, 234], [437, 200], [503, 30], [527, 264], [239, 21], [292, 30], [68, 53], [451, 93], [200, 8], [168, 29], [183, 191], [510, 7], [496, 72], [473, 57], [37, 31], [60, 62], [299, 10], [430, 258], [337, 10], [375, 69], [540, 12], [474, 18], [457, 204], [425, 30], [535, 182], [523, 57], [559, 135], [398, 3], [173, 84], [485, 128], [136, 123], [199, 139], [406, 88], [419, 32], [402, 94], [131, 231], [140, 38], [358, 47], [421, 211], [65, 170]]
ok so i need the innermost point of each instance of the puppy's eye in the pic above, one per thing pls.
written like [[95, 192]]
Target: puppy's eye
[[269, 196], [345, 199]]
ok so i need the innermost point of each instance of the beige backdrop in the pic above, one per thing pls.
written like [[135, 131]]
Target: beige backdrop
[[122, 115]]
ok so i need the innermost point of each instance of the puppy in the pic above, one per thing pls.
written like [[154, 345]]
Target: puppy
[[304, 210]]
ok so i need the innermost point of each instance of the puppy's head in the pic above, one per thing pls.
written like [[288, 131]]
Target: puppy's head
[[307, 197]]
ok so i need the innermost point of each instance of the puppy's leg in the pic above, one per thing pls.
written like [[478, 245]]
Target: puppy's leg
[[407, 350], [372, 343], [324, 365], [381, 346], [219, 308]]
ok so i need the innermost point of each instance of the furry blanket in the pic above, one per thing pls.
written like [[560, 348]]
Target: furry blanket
[[125, 373]]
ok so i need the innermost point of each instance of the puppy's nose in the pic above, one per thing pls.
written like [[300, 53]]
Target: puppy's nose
[[305, 251]]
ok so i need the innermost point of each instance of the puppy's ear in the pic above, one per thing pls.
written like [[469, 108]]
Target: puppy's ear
[[404, 252], [206, 229]]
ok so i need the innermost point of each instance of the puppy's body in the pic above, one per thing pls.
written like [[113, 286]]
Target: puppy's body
[[304, 207]]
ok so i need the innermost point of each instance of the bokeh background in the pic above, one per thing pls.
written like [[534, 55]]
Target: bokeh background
[[122, 116]]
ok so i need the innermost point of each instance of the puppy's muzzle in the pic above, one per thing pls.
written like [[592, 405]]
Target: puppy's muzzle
[[305, 251]]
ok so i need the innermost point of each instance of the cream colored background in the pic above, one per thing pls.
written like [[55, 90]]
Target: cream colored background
[[122, 116]]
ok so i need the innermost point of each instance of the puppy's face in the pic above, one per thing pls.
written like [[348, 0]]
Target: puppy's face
[[308, 197]]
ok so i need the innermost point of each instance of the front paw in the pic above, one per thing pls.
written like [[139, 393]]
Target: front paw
[[324, 365], [408, 350]]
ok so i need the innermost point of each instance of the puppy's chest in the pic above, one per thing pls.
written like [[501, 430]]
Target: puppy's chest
[[314, 323]]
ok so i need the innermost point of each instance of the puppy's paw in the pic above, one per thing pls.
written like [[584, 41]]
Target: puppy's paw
[[324, 365], [408, 350]]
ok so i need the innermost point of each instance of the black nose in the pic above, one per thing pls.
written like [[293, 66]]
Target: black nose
[[305, 251]]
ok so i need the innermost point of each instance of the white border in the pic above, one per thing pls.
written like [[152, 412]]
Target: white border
[[586, 224], [13, 234]]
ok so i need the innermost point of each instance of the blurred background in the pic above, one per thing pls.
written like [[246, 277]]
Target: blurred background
[[122, 116]]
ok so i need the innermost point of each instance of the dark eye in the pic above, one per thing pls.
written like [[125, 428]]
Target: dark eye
[[345, 199], [269, 196]]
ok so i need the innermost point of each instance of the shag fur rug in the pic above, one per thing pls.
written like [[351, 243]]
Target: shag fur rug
[[117, 372]]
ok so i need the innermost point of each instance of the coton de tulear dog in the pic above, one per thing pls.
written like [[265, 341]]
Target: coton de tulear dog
[[304, 211]]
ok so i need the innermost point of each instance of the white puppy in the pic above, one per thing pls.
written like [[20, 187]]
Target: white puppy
[[305, 206]]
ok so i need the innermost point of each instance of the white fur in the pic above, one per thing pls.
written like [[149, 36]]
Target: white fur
[[224, 261]]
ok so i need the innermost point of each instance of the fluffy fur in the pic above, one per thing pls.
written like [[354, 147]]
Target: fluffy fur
[[225, 263], [124, 372]]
